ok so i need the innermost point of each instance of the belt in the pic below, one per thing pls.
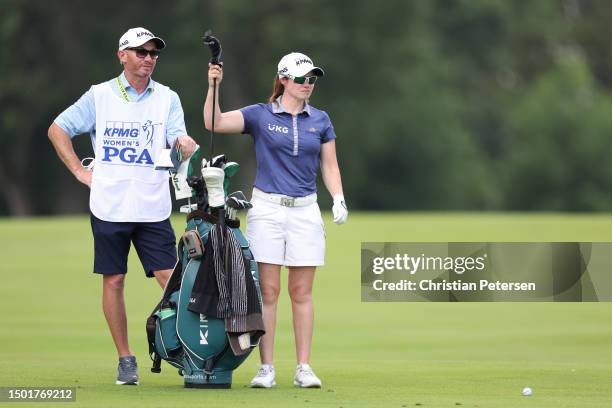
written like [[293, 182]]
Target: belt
[[285, 201]]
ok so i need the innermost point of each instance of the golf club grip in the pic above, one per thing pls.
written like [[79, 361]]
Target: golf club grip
[[215, 61], [215, 51]]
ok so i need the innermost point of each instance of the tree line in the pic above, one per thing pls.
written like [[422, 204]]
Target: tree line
[[438, 105]]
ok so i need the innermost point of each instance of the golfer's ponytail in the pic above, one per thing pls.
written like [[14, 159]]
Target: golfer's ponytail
[[277, 89]]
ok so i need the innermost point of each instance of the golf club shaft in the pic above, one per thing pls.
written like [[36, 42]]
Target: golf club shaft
[[214, 113]]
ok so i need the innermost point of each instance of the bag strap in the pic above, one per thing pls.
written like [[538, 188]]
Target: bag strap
[[155, 357]]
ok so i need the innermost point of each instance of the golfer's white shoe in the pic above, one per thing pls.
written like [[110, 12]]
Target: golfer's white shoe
[[264, 377], [305, 377]]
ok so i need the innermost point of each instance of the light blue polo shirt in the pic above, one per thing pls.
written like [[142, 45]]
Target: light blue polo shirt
[[80, 117], [287, 147]]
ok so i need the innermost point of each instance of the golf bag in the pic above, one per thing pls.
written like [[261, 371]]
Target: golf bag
[[201, 346]]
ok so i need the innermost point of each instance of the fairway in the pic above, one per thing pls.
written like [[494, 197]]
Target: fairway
[[367, 354]]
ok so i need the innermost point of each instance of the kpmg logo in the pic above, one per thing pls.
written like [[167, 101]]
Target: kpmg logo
[[145, 33], [301, 61], [122, 129], [128, 142], [278, 128]]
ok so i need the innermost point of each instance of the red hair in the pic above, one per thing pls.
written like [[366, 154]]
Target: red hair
[[277, 89]]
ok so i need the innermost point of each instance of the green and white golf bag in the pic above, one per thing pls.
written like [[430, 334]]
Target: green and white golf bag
[[199, 345]]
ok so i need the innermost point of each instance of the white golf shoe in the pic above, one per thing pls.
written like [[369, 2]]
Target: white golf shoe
[[305, 377], [264, 377]]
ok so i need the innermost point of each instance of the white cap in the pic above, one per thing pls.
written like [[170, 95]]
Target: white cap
[[135, 37], [297, 64]]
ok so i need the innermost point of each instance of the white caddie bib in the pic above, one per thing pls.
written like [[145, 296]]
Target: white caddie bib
[[129, 136]]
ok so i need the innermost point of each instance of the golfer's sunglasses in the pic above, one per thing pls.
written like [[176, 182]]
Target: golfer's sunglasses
[[142, 53], [303, 79]]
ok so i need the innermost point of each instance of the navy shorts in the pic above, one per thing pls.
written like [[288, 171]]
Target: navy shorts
[[154, 242]]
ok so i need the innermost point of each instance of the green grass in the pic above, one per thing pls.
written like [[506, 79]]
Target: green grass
[[53, 332]]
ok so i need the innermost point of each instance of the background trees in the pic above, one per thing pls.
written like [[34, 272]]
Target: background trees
[[442, 104]]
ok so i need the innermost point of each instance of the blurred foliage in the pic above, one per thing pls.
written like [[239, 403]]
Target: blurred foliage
[[441, 104]]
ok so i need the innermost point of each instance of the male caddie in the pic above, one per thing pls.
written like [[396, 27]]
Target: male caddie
[[130, 119]]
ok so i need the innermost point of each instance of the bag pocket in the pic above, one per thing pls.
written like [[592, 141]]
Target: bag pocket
[[193, 244], [166, 338]]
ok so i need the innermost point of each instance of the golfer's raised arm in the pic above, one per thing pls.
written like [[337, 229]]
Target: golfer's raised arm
[[228, 122]]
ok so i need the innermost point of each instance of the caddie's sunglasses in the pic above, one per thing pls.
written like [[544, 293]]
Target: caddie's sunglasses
[[142, 53], [303, 79]]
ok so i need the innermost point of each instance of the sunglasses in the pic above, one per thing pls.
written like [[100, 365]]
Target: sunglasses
[[143, 52], [303, 79]]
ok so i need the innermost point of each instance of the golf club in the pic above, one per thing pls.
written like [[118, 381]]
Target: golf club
[[215, 49]]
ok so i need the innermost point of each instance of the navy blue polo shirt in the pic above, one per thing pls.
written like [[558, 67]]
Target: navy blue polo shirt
[[287, 147]]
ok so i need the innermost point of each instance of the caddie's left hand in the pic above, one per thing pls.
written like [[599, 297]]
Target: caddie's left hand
[[186, 146], [339, 209]]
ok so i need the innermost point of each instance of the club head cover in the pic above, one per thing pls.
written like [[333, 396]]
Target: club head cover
[[231, 168], [231, 202], [247, 205], [237, 204], [214, 46], [239, 195], [218, 161], [213, 178]]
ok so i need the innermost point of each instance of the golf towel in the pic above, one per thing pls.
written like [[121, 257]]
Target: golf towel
[[224, 288]]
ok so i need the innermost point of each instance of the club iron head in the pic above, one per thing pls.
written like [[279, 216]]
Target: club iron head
[[239, 195]]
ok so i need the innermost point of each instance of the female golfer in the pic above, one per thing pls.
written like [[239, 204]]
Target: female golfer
[[284, 227]]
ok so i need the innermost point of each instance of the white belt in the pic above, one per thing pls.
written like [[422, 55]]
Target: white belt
[[285, 201]]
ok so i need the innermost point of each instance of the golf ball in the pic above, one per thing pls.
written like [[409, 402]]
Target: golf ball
[[527, 391]]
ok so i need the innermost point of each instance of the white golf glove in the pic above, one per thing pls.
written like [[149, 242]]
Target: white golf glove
[[339, 209], [213, 177]]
